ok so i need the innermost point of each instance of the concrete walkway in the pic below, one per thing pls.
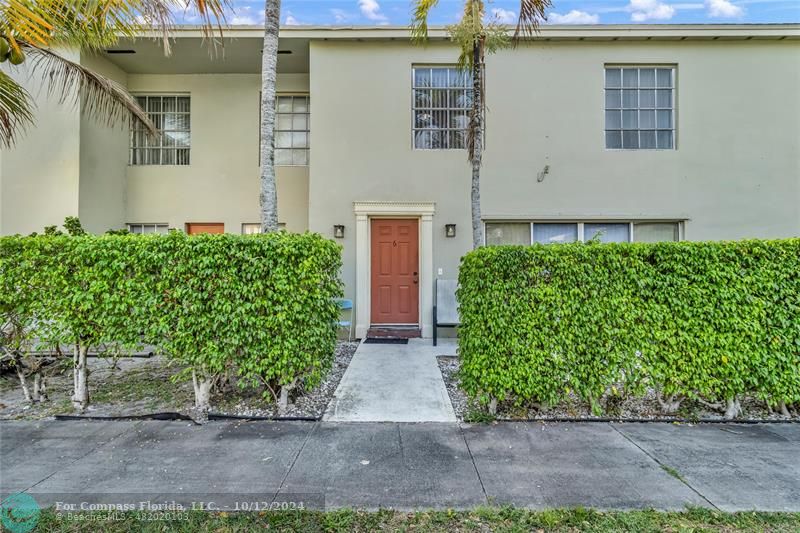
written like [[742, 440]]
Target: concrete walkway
[[406, 466], [394, 383]]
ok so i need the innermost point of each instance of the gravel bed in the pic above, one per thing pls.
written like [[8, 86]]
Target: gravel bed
[[631, 407], [134, 386]]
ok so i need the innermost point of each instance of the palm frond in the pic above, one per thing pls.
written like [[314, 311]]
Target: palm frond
[[16, 110], [419, 26], [96, 24], [531, 14], [99, 97]]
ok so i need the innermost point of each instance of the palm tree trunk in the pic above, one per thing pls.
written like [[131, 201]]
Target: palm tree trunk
[[476, 124], [269, 67]]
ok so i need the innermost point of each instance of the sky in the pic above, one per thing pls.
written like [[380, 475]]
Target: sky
[[398, 12]]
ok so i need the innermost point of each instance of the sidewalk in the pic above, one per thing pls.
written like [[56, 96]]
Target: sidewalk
[[394, 383], [409, 466]]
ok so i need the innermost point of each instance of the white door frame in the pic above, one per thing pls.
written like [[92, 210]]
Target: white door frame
[[424, 212]]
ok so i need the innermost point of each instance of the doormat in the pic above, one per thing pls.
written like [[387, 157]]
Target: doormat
[[385, 340]]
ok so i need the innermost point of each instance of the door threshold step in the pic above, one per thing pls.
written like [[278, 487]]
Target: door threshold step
[[393, 333], [385, 340]]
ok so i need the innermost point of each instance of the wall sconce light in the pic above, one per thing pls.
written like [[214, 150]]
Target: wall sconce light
[[338, 231], [449, 230]]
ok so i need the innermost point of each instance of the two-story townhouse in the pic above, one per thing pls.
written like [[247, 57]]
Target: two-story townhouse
[[632, 133]]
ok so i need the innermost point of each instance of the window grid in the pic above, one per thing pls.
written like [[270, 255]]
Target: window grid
[[578, 230], [640, 108], [171, 114], [145, 229], [292, 130], [441, 103]]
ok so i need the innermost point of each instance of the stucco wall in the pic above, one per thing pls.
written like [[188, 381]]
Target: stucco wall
[[103, 161], [221, 183], [735, 174], [40, 174]]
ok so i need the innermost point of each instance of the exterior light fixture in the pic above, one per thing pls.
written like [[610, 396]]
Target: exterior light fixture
[[449, 230], [338, 231]]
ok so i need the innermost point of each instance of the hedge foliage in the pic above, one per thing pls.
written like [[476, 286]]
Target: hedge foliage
[[261, 304], [707, 320]]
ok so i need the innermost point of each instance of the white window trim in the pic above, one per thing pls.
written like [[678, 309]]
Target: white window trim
[[129, 225], [161, 94], [414, 129], [674, 67], [307, 131], [581, 221]]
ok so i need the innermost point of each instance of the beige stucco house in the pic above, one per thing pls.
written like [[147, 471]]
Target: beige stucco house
[[631, 132]]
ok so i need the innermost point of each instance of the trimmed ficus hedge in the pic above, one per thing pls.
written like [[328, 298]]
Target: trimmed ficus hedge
[[261, 306], [703, 320]]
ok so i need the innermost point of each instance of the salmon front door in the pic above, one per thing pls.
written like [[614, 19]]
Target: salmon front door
[[394, 271], [193, 228]]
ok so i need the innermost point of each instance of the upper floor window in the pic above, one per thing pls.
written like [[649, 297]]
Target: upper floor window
[[640, 108], [442, 99], [292, 130], [171, 115]]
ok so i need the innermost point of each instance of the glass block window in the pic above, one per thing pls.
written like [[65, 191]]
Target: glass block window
[[292, 130], [172, 116], [143, 229], [441, 100], [640, 108]]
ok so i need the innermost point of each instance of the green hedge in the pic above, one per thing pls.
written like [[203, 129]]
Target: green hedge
[[260, 305], [707, 320]]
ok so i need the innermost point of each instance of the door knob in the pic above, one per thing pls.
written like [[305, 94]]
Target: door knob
[[416, 278]]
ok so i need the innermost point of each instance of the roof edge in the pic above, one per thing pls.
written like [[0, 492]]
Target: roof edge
[[547, 32]]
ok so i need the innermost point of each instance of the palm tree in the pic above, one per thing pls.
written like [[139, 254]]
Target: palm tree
[[269, 72], [476, 38], [32, 32]]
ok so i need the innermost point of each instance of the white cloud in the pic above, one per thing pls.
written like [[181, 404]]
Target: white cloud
[[723, 9], [371, 9], [643, 10], [242, 19], [247, 16], [290, 20], [340, 15], [504, 16], [573, 17]]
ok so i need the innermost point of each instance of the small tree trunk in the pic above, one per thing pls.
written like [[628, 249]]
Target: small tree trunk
[[269, 69], [22, 381], [733, 408], [283, 402], [784, 410], [80, 398], [202, 391], [669, 405], [493, 406], [476, 138], [39, 387]]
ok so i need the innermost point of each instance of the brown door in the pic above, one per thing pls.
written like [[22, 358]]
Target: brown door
[[395, 271], [193, 228]]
